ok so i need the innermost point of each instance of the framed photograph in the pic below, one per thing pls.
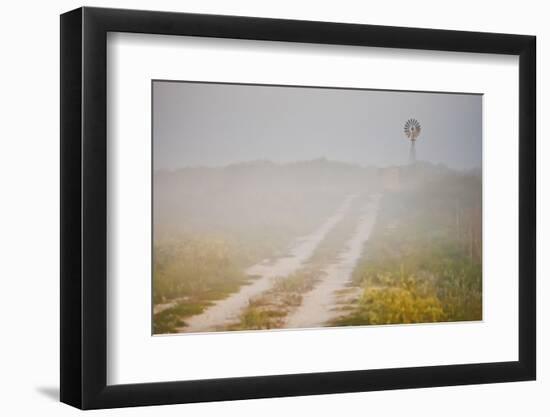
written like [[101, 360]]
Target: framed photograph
[[256, 208]]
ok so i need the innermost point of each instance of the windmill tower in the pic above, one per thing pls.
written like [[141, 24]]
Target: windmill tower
[[412, 130]]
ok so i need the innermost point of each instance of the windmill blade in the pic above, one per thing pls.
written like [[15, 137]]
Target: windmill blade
[[412, 128]]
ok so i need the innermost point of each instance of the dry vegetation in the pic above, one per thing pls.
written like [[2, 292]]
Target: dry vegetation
[[421, 264], [210, 224], [423, 261]]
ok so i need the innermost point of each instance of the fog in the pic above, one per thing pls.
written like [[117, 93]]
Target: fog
[[279, 207], [210, 124]]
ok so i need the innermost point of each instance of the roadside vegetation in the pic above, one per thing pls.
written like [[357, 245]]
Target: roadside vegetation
[[423, 261], [210, 224], [189, 274]]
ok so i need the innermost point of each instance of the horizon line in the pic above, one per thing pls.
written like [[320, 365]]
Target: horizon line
[[319, 159]]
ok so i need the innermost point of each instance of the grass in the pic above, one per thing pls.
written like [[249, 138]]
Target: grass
[[167, 321], [421, 264], [193, 272], [258, 319], [202, 267], [269, 310], [336, 238], [423, 261]]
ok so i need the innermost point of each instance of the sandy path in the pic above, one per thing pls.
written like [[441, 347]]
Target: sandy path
[[318, 306], [227, 310]]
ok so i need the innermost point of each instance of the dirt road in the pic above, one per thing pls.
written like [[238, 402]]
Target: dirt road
[[225, 311], [319, 305]]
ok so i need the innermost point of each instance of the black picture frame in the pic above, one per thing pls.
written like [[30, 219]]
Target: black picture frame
[[84, 207]]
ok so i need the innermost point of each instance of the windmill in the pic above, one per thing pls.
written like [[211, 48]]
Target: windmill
[[412, 130]]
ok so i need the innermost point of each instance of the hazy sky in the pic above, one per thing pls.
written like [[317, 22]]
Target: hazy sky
[[219, 124]]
